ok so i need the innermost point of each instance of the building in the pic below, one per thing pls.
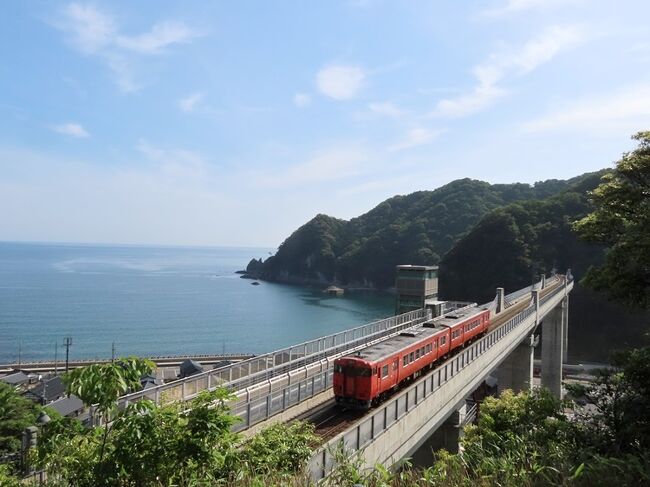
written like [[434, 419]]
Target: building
[[416, 286], [47, 390]]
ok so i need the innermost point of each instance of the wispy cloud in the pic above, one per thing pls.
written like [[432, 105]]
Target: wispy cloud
[[330, 165], [416, 137], [71, 129], [340, 82], [509, 63], [160, 36], [515, 6], [301, 100], [625, 111], [95, 32], [387, 109], [189, 103]]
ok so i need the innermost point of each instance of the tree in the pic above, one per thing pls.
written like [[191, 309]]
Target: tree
[[621, 221], [16, 413], [100, 386]]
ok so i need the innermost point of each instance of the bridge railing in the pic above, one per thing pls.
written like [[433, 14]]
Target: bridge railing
[[261, 408], [263, 367], [367, 430]]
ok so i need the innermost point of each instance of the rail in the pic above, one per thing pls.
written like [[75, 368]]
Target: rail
[[263, 367], [375, 424], [254, 411]]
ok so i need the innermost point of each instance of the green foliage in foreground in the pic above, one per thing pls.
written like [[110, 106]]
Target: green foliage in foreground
[[16, 413], [525, 439], [621, 221]]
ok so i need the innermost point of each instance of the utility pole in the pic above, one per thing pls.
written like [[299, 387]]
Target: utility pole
[[67, 342], [113, 353], [56, 358], [20, 351]]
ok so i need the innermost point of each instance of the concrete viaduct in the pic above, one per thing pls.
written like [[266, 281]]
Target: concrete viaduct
[[291, 382]]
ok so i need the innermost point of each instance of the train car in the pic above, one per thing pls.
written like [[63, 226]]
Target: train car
[[369, 375]]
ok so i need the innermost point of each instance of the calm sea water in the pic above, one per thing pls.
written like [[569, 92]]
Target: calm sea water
[[158, 301]]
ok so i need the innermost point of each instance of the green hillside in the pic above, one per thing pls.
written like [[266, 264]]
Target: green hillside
[[514, 244], [417, 228]]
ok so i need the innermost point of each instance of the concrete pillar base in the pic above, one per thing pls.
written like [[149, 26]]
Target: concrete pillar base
[[516, 371], [552, 349], [447, 436]]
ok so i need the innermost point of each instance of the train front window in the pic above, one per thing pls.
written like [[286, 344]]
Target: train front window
[[352, 371]]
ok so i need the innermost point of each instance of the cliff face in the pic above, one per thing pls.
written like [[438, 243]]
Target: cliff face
[[417, 228]]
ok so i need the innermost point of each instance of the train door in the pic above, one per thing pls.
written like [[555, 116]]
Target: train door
[[394, 373]]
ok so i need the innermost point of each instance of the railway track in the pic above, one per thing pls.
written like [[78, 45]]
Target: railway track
[[330, 419], [516, 308]]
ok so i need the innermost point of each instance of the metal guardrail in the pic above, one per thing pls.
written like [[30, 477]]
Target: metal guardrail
[[521, 292], [263, 367], [262, 408], [367, 430]]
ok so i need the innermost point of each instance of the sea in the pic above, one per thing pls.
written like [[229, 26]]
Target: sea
[[157, 301]]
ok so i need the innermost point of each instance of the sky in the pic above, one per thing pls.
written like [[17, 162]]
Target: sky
[[233, 123]]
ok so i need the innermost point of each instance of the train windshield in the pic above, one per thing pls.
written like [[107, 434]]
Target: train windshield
[[352, 371]]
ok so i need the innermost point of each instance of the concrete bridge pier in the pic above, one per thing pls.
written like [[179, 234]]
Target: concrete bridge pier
[[447, 436], [553, 331], [516, 371], [565, 329]]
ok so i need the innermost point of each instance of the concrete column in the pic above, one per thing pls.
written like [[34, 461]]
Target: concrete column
[[535, 297], [447, 436], [501, 302], [552, 347], [543, 281], [516, 371], [565, 329]]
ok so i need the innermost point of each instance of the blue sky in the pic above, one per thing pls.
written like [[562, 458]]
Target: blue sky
[[232, 123]]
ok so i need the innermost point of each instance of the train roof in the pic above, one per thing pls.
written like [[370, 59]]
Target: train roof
[[412, 335]]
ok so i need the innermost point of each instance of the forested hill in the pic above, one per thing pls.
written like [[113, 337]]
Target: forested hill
[[516, 243], [418, 228]]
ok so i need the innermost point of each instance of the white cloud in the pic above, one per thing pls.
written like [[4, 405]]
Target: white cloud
[[416, 137], [95, 32], [340, 82], [301, 100], [509, 63], [160, 36], [71, 129], [90, 29], [386, 108], [624, 112], [189, 103], [330, 165]]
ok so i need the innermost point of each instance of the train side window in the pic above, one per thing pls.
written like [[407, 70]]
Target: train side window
[[417, 354], [384, 371], [443, 340], [422, 352], [411, 357], [406, 360]]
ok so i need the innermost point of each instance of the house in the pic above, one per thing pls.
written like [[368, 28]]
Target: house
[[190, 367], [17, 379], [68, 406], [47, 390]]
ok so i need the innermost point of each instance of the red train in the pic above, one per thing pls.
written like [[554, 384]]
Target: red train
[[369, 375]]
